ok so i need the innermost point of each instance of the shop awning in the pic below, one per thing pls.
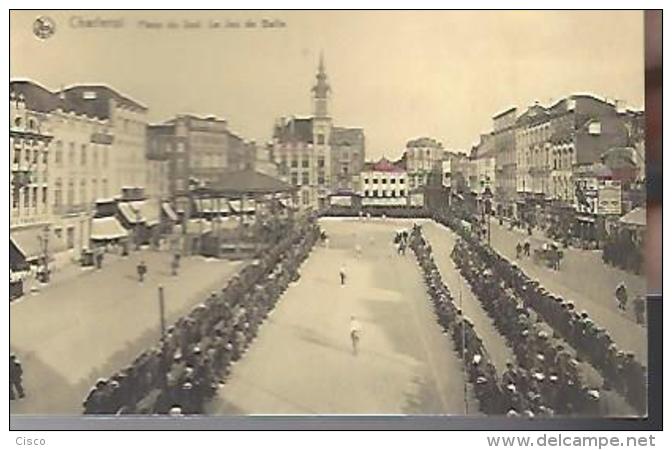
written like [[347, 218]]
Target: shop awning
[[106, 229], [636, 217], [245, 207], [169, 211], [148, 210], [211, 206], [130, 214], [17, 261], [228, 223], [28, 241]]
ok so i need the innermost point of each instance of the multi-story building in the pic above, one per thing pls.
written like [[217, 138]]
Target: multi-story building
[[86, 159], [583, 128], [483, 158], [347, 158], [423, 156], [30, 178], [504, 134], [384, 183], [310, 151], [533, 151], [126, 120]]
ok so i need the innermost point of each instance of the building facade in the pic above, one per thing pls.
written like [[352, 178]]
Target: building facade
[[384, 184], [504, 134], [30, 201], [423, 156], [314, 155]]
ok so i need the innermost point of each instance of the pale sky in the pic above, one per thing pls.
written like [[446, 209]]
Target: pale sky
[[397, 74]]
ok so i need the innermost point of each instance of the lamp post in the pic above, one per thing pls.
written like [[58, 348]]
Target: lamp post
[[44, 244]]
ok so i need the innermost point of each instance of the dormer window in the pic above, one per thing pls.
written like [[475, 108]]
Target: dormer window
[[595, 128]]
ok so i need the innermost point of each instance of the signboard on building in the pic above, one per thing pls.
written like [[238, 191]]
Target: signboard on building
[[340, 200], [609, 198], [597, 197]]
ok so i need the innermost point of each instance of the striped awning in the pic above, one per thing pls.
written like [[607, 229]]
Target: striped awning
[[107, 228]]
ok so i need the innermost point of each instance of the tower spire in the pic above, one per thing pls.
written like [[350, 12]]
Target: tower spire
[[321, 89]]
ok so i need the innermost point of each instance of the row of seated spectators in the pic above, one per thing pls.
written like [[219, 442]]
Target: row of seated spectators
[[507, 284], [195, 356]]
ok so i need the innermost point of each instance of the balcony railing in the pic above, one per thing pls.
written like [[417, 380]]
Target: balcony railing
[[71, 209]]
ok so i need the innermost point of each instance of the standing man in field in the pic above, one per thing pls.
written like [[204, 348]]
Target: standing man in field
[[341, 272], [355, 332]]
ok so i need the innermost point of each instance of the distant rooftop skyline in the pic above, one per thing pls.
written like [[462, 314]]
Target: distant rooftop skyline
[[399, 75]]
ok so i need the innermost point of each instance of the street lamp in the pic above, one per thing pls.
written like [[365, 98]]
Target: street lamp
[[44, 244]]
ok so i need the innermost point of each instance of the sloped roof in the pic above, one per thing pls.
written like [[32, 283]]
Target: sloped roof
[[41, 99], [383, 165], [636, 217], [346, 136], [236, 183], [295, 130]]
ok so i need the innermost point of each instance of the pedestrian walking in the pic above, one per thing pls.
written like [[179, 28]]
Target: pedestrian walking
[[526, 248], [175, 264], [142, 270], [355, 332], [99, 259], [15, 378], [358, 250], [519, 250], [341, 272], [621, 295]]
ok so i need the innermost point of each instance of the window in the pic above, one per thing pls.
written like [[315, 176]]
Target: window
[[58, 154], [71, 193], [26, 197], [18, 122], [58, 192], [320, 179], [71, 154], [384, 181], [82, 191], [320, 139], [83, 155], [401, 181], [15, 200], [70, 237], [305, 197], [34, 202], [17, 155], [295, 179], [375, 181], [44, 195], [595, 128], [320, 162], [94, 189], [28, 155], [366, 193], [402, 193], [94, 153], [366, 181], [295, 163], [45, 157], [393, 180], [305, 178], [393, 194]]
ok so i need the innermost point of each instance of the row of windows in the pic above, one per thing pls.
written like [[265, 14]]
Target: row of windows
[[383, 180], [97, 156], [30, 197], [384, 194], [305, 179], [83, 191], [305, 162]]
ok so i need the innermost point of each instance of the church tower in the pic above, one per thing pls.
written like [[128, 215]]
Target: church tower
[[321, 92], [321, 135]]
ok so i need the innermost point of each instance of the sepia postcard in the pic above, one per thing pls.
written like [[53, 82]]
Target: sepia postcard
[[320, 213]]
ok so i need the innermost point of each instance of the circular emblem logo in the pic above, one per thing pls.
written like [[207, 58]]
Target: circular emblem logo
[[44, 27]]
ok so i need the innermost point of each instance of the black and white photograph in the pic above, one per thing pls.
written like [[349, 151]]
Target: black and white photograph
[[323, 213]]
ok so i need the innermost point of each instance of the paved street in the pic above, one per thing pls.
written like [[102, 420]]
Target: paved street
[[588, 282], [93, 324], [302, 361]]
